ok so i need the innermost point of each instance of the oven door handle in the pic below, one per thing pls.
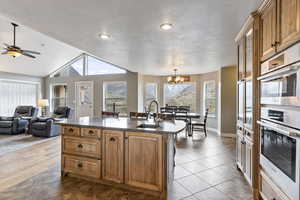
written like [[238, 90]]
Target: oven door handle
[[279, 73], [287, 133]]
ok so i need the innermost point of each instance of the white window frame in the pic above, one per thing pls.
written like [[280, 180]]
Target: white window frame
[[212, 115], [103, 99]]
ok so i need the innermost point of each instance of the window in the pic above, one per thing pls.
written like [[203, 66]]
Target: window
[[14, 94], [85, 65], [76, 68], [58, 96], [115, 93], [150, 94], [97, 67], [209, 98], [183, 94]]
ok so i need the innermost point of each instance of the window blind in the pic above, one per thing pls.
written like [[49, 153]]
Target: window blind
[[14, 94]]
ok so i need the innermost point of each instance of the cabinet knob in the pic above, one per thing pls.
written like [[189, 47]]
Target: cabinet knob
[[80, 146], [79, 165], [91, 132], [273, 44], [112, 139], [71, 130]]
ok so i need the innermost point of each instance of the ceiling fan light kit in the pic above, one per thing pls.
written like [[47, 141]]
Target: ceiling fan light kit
[[15, 51]]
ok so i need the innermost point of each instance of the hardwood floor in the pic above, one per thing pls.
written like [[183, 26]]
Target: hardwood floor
[[205, 170]]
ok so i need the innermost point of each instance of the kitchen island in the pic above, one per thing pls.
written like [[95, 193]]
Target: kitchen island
[[121, 152]]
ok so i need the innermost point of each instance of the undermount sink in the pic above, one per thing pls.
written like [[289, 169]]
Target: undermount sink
[[148, 126]]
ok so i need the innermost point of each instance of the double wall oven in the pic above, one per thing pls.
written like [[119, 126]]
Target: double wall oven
[[280, 120]]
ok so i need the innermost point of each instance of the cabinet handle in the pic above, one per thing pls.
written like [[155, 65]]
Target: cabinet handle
[[80, 146], [91, 132], [79, 165], [71, 130], [112, 139]]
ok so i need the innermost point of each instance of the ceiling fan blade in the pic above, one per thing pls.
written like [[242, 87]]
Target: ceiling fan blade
[[3, 53], [33, 52], [7, 45], [28, 55]]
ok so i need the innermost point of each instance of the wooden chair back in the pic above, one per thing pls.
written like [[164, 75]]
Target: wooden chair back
[[137, 115], [166, 116], [110, 114]]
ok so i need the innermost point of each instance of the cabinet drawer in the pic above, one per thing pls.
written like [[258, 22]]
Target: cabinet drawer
[[91, 132], [71, 130], [82, 146], [267, 189], [82, 166]]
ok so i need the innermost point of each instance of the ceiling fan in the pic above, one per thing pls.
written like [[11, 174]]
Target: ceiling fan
[[16, 51]]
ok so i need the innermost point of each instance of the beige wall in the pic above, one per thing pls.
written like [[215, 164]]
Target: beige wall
[[225, 80], [130, 77], [228, 79]]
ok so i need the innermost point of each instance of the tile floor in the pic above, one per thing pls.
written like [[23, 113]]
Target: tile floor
[[206, 170]]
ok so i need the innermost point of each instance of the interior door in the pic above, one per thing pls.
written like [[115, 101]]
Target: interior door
[[84, 98]]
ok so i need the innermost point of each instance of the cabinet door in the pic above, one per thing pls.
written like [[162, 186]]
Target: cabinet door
[[144, 162], [113, 159], [268, 20], [239, 144], [241, 102], [248, 160], [289, 22], [249, 53], [241, 59]]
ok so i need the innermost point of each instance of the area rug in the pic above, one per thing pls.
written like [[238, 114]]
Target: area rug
[[13, 143]]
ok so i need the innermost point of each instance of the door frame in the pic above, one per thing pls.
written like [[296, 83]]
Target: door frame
[[92, 92]]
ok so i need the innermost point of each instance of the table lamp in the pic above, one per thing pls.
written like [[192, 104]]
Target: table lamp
[[43, 103]]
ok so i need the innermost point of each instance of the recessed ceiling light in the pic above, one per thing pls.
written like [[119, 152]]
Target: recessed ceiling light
[[104, 36], [166, 26]]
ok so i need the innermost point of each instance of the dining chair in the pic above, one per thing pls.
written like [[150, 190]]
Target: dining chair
[[184, 108], [200, 126], [182, 116], [166, 116], [110, 114], [138, 115]]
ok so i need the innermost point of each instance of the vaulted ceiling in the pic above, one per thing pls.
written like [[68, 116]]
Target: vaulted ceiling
[[202, 38], [53, 53]]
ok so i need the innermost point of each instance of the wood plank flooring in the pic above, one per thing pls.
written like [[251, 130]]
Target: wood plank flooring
[[205, 170]]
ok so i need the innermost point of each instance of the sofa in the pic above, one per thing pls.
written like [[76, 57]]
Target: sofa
[[18, 123], [45, 126]]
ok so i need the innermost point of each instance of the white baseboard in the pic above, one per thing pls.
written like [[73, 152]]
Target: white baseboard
[[231, 135]]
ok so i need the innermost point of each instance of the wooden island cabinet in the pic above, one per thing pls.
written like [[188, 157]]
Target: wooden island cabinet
[[121, 155]]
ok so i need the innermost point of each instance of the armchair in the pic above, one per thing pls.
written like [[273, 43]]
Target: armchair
[[16, 124], [45, 127]]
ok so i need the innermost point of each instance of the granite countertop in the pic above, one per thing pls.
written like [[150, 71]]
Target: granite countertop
[[126, 124]]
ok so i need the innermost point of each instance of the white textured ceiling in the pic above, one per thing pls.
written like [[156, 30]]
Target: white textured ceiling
[[53, 53], [202, 39]]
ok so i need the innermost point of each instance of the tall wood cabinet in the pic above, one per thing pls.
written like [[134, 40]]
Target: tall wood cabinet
[[247, 94], [280, 26]]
